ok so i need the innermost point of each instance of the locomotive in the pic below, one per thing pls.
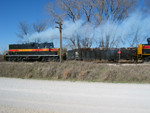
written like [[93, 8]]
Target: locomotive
[[32, 51], [143, 51], [47, 52]]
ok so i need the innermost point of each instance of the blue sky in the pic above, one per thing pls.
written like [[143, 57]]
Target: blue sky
[[14, 11]]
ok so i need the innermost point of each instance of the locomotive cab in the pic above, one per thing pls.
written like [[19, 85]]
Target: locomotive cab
[[143, 51]]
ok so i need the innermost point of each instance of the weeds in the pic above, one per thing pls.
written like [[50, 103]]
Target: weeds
[[1, 58], [77, 71]]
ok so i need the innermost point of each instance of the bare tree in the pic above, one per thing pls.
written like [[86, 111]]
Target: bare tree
[[146, 8], [77, 41], [40, 26], [24, 31], [74, 9], [74, 42], [108, 39], [136, 36], [56, 16], [71, 8], [114, 10], [67, 8], [87, 9], [92, 11], [86, 42]]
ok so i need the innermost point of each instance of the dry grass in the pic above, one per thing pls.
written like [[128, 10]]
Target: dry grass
[[1, 58], [80, 71]]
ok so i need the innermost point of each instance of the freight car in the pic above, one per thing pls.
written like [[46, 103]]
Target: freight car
[[141, 53], [106, 55], [32, 51]]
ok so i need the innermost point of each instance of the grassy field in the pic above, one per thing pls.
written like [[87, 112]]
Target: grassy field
[[77, 71]]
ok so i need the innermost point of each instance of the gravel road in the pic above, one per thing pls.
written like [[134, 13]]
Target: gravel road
[[43, 96]]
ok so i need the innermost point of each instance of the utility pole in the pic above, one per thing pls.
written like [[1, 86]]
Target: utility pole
[[60, 29]]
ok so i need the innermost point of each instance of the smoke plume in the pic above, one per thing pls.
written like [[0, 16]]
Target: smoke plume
[[128, 33]]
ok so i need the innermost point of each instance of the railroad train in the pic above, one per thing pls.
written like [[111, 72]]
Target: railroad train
[[47, 52]]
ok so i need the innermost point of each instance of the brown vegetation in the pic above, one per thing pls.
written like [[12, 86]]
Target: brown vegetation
[[77, 71], [1, 58]]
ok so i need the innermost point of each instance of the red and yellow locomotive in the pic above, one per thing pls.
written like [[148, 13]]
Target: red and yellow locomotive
[[32, 51], [143, 51]]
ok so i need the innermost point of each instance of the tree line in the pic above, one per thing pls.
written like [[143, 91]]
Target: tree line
[[93, 12]]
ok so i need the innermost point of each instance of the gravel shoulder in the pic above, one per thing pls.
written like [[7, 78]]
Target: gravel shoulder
[[43, 96], [10, 109]]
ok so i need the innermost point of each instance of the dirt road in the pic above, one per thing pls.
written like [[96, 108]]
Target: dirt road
[[42, 96]]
